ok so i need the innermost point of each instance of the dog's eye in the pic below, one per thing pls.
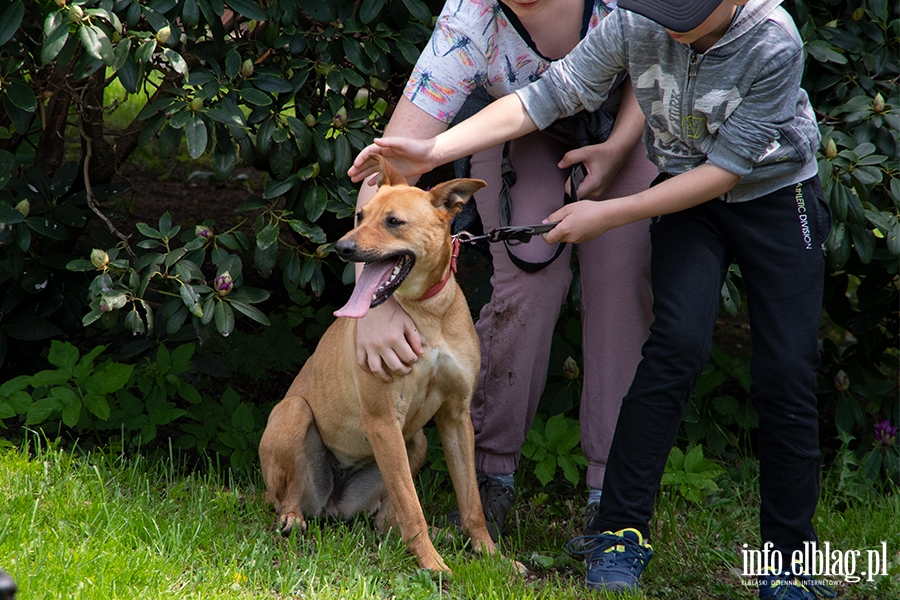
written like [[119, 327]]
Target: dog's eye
[[395, 222], [359, 217]]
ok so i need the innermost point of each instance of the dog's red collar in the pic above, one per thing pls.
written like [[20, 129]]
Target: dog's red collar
[[433, 290]]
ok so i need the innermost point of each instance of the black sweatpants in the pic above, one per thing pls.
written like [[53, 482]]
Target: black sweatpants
[[777, 241]]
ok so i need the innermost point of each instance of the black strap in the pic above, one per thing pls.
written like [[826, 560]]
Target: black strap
[[508, 176]]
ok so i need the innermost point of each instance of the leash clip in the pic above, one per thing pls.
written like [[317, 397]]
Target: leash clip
[[511, 234]]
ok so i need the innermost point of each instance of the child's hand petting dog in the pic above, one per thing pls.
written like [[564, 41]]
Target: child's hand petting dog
[[408, 155]]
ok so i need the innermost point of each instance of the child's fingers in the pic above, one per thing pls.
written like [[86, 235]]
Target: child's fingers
[[573, 157], [557, 234], [365, 164]]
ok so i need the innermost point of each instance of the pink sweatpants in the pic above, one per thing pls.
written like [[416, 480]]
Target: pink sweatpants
[[515, 328]]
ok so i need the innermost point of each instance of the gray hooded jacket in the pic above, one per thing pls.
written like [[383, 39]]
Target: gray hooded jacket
[[738, 106]]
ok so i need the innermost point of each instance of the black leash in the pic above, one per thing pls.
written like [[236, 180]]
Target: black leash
[[513, 235]]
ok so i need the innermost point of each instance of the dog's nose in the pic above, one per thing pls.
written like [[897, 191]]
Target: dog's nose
[[345, 248]]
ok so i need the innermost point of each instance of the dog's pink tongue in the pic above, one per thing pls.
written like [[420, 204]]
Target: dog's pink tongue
[[373, 275]]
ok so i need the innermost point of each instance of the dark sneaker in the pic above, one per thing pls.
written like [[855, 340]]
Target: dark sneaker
[[496, 500], [614, 561], [787, 586], [591, 511], [8, 587]]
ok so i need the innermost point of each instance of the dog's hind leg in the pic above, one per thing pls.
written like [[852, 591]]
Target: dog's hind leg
[[294, 465]]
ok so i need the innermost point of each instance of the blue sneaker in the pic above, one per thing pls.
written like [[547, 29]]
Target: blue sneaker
[[614, 561], [787, 586]]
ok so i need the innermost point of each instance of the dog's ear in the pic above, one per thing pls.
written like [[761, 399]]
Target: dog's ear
[[451, 195], [389, 175]]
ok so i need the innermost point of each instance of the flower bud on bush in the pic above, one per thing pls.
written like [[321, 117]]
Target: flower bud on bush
[[340, 119], [196, 104], [99, 258], [310, 121], [841, 381], [202, 231], [878, 103], [570, 369], [223, 283], [830, 149], [162, 36], [885, 434], [247, 68], [76, 14], [24, 207]]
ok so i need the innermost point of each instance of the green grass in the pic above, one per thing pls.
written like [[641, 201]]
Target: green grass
[[96, 526]]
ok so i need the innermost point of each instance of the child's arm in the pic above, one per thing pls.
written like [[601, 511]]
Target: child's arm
[[585, 220], [500, 121]]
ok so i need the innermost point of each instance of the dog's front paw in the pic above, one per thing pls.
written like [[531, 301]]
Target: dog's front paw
[[291, 521]]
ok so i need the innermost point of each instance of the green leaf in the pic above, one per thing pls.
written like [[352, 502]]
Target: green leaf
[[232, 63], [315, 233], [112, 378], [54, 43], [191, 300], [315, 202], [731, 296], [29, 329], [275, 85], [71, 405], [267, 236], [242, 418], [419, 10], [546, 469], [197, 136], [190, 13], [10, 20], [120, 55], [369, 9], [63, 355], [176, 61], [14, 385], [21, 95], [251, 311], [323, 146], [9, 215], [408, 50], [19, 402], [277, 188], [864, 242], [302, 134], [822, 52], [251, 95], [97, 405], [675, 462], [145, 52], [247, 9], [224, 319], [343, 155], [8, 166], [148, 231], [86, 363], [48, 228], [95, 43], [41, 409]]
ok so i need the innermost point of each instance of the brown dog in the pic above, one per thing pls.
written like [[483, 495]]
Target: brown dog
[[343, 441]]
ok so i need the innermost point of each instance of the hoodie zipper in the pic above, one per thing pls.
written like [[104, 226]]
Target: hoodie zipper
[[687, 100]]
